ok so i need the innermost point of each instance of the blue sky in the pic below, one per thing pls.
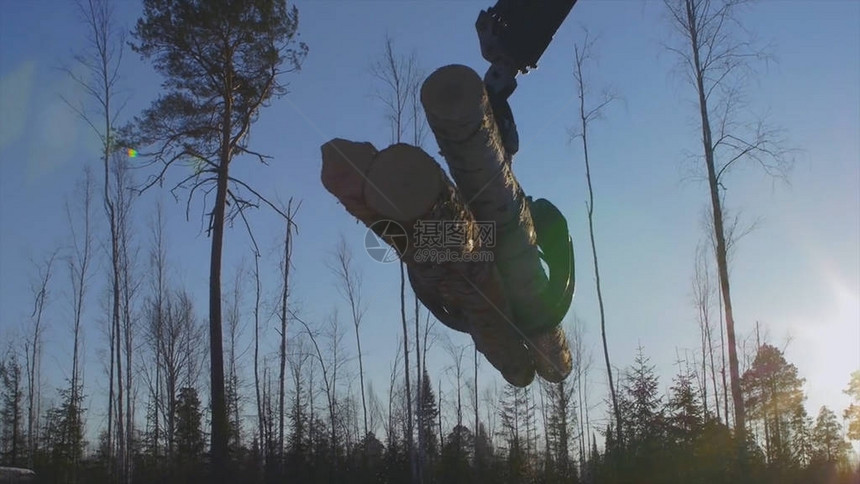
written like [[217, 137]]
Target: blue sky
[[798, 274]]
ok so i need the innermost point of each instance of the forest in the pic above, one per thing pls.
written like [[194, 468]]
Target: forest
[[197, 389]]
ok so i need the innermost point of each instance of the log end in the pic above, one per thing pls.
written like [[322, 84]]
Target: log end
[[453, 98], [344, 164], [403, 183], [551, 355]]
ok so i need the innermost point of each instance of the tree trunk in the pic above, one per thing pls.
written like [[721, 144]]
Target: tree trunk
[[216, 357], [120, 425], [409, 445], [723, 363], [584, 118], [283, 348], [260, 425], [719, 235], [128, 332], [419, 402], [79, 269], [477, 420]]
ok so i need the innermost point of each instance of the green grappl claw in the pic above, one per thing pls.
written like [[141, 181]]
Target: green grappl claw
[[556, 250]]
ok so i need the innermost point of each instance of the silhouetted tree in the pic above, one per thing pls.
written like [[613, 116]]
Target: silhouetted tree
[[828, 444], [189, 440], [429, 413], [559, 425], [517, 413], [399, 80], [11, 410], [714, 56], [773, 391], [588, 112], [222, 63], [33, 352], [643, 418]]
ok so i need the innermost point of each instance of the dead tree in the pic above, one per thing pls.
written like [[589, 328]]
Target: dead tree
[[581, 366], [156, 316], [400, 78], [329, 367], [284, 308], [78, 263], [129, 289], [101, 62], [716, 58], [233, 384], [261, 423], [349, 285], [457, 370], [587, 114], [33, 350], [702, 294]]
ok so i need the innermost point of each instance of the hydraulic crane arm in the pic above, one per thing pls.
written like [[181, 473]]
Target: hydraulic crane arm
[[514, 34], [517, 32]]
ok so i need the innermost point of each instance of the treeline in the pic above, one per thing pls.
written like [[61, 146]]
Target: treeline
[[536, 434]]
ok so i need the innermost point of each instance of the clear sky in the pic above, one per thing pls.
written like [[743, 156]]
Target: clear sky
[[798, 274]]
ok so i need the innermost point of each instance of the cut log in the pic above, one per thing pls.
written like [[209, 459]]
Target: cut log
[[459, 114], [404, 184], [343, 172]]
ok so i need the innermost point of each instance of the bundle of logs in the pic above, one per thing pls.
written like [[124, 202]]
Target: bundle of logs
[[401, 189]]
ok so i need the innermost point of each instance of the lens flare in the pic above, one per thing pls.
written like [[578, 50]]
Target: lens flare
[[132, 153]]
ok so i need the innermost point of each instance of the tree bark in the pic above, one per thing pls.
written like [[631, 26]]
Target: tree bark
[[216, 357], [459, 114]]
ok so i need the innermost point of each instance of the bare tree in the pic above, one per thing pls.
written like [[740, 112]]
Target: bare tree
[[178, 336], [329, 367], [297, 361], [233, 392], [349, 285], [285, 292], [129, 286], [475, 393], [101, 61], [716, 56], [457, 369], [702, 294], [156, 309], [33, 351], [399, 80], [261, 424], [78, 263], [409, 444], [419, 402], [115, 183], [581, 366], [588, 113], [390, 431]]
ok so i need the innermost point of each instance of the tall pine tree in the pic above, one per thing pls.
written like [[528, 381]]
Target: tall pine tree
[[222, 63]]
